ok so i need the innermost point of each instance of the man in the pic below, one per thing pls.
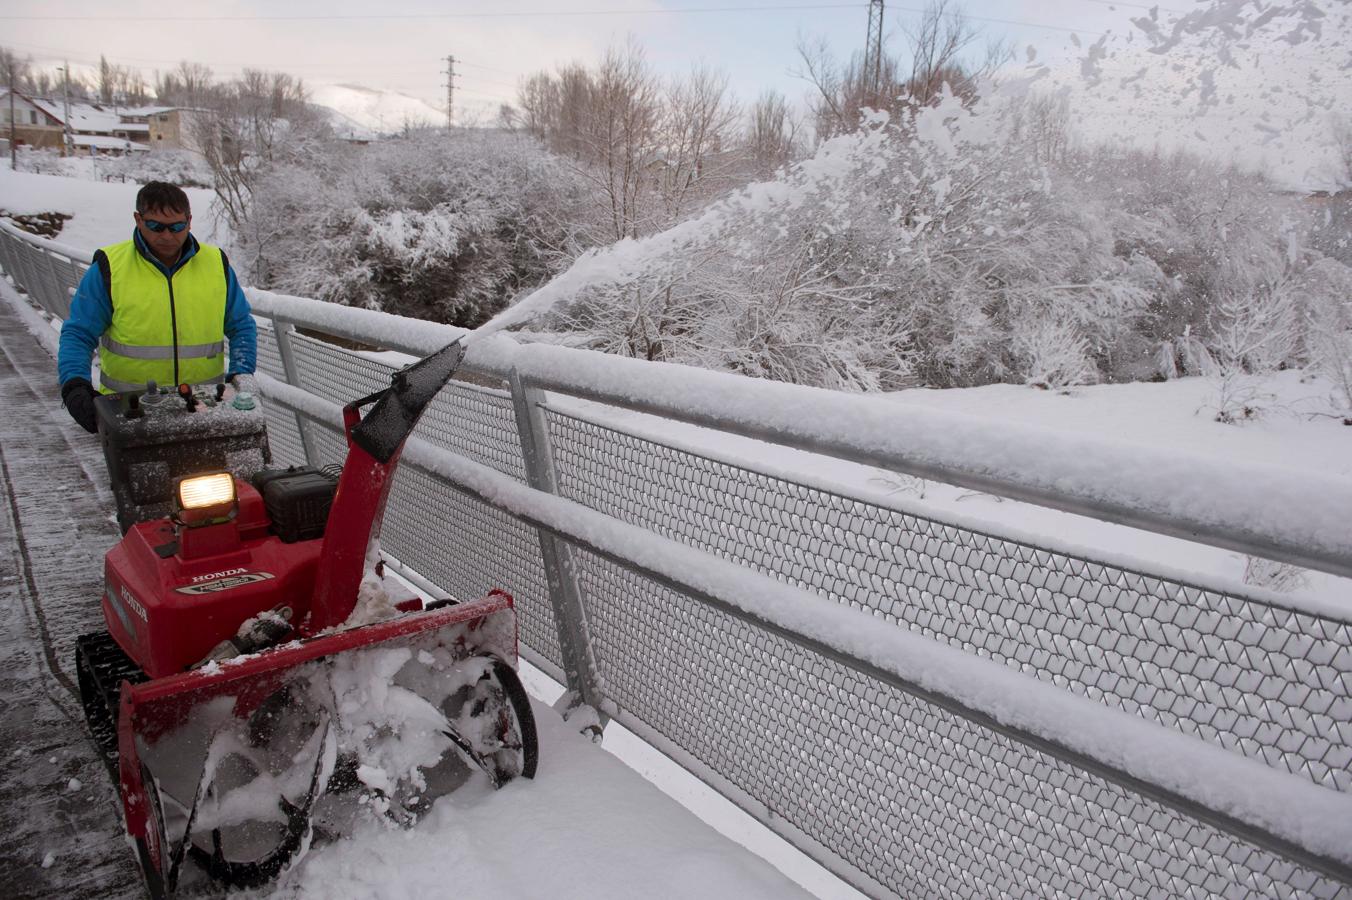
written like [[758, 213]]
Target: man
[[158, 306]]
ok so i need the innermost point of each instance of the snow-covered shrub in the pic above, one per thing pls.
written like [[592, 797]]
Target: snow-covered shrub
[[1326, 286], [1052, 354], [1184, 355], [772, 282], [47, 161], [181, 167], [440, 227], [913, 249], [1250, 337], [1213, 234]]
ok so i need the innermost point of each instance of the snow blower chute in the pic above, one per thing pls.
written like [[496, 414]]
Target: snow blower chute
[[243, 710]]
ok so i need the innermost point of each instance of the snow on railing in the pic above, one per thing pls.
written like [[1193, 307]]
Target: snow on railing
[[1266, 511], [922, 705]]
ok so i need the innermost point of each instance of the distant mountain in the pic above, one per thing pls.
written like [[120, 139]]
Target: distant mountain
[[363, 112]]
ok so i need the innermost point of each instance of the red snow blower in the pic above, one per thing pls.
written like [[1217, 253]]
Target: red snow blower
[[258, 687]]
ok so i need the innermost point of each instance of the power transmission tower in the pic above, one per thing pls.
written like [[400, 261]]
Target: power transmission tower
[[873, 51], [450, 91]]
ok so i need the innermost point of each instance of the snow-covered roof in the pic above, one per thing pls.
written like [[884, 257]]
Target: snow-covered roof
[[104, 142], [144, 110], [25, 100], [84, 116]]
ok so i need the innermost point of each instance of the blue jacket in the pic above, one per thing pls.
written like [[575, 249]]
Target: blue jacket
[[91, 312]]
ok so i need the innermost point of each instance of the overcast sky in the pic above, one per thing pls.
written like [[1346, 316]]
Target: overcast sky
[[402, 44]]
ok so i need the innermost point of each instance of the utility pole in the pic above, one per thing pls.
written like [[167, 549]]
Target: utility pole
[[66, 140], [873, 52], [450, 91], [13, 137]]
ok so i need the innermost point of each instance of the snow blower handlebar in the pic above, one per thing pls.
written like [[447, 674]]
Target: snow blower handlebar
[[374, 443]]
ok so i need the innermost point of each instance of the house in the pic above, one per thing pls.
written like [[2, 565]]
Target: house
[[100, 129], [171, 127], [34, 126], [41, 122]]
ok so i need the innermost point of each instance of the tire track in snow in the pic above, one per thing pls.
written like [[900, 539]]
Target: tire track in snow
[[34, 600]]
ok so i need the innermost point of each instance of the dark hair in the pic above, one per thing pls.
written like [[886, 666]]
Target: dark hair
[[162, 195]]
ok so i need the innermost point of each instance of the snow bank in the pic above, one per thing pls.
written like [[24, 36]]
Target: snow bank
[[587, 826], [101, 212]]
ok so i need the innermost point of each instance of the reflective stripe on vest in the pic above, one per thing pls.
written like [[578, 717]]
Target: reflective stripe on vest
[[164, 330], [185, 351]]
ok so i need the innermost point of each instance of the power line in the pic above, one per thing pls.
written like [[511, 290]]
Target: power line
[[335, 68], [489, 68], [478, 80], [1089, 32], [520, 14]]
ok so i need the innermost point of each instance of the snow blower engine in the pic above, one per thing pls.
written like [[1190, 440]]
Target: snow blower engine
[[261, 684]]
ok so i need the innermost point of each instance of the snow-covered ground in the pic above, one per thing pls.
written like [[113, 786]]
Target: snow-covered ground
[[587, 826], [101, 211], [375, 111]]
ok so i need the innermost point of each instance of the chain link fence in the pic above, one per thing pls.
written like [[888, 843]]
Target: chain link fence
[[899, 791]]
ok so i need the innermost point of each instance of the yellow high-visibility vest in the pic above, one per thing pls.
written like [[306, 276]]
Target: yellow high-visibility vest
[[166, 329]]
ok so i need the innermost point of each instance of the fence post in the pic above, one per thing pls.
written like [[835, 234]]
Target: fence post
[[25, 269], [7, 255], [565, 594], [281, 330], [57, 289]]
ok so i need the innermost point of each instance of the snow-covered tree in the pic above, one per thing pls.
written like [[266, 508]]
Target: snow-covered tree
[[1326, 286], [653, 151], [249, 125], [440, 227]]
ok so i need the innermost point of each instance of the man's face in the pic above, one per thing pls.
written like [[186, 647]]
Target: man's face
[[164, 243]]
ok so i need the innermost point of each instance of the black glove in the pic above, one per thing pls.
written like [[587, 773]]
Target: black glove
[[78, 395]]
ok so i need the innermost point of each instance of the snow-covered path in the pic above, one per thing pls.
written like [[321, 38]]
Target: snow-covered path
[[588, 826], [58, 811]]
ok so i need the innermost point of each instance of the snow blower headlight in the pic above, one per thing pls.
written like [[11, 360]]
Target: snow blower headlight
[[205, 499]]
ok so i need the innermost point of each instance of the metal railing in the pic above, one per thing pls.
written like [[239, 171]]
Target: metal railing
[[925, 706]]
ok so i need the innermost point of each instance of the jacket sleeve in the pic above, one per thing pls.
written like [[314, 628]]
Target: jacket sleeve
[[240, 330], [91, 311]]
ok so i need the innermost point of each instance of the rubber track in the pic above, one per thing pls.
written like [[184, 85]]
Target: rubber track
[[106, 666]]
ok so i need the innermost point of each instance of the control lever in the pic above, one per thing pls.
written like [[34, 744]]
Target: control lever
[[220, 392], [152, 395], [185, 391]]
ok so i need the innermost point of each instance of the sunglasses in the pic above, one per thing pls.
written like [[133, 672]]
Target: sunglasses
[[157, 227]]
